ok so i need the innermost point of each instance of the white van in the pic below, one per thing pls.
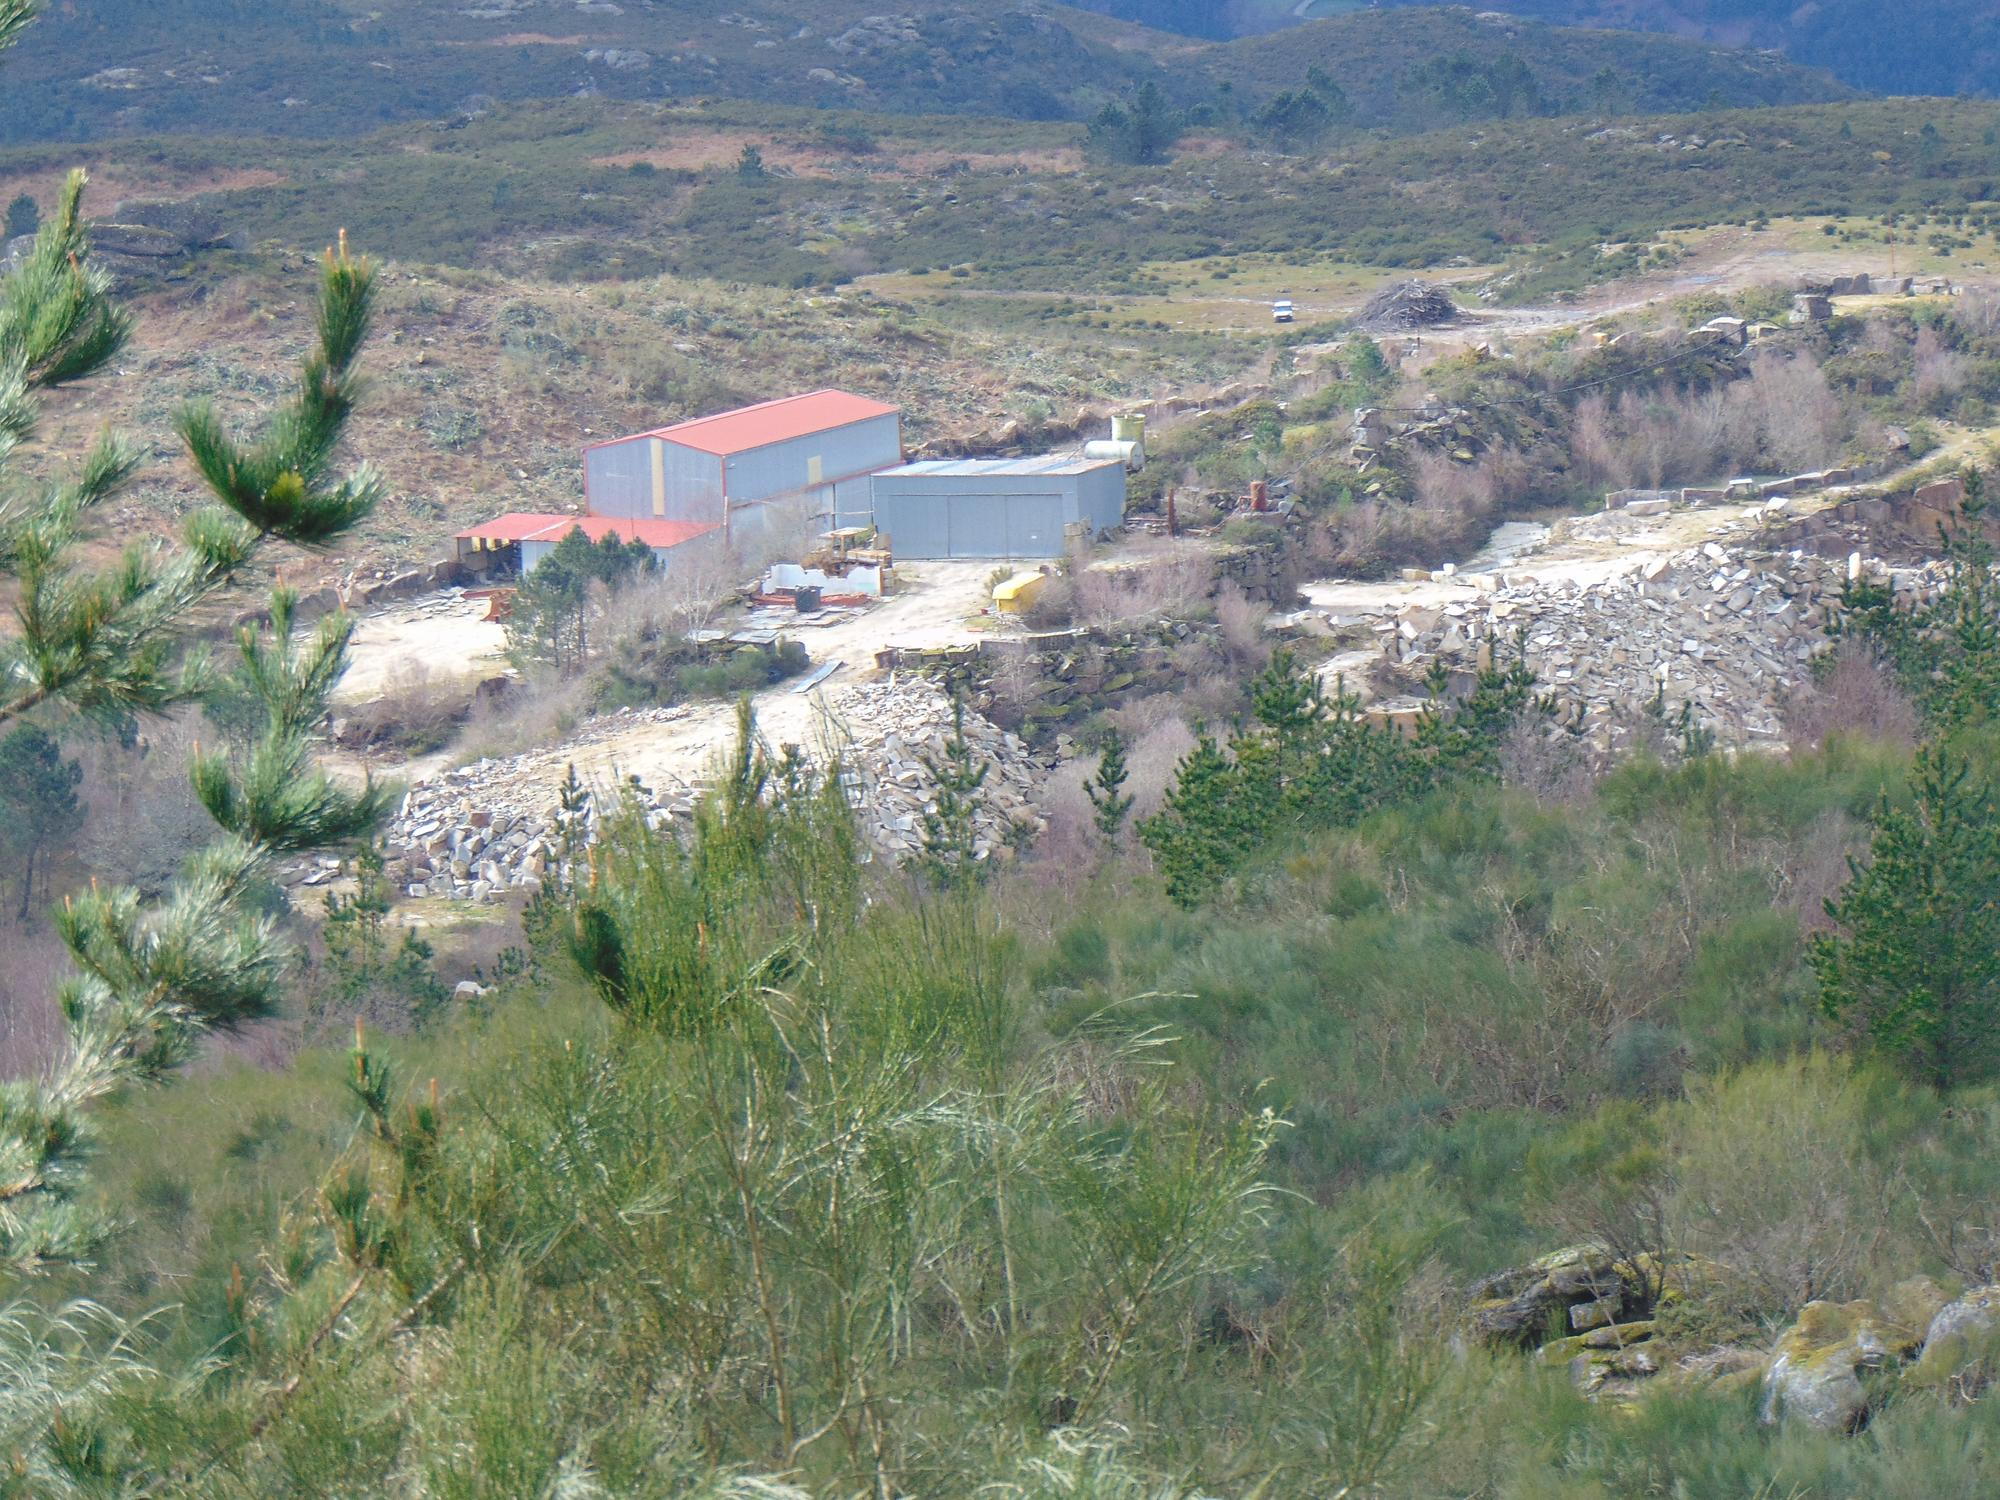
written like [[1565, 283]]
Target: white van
[[1281, 310]]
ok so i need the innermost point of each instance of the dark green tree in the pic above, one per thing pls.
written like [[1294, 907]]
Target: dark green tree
[[1205, 828], [1916, 963], [1607, 91], [1366, 362], [38, 802], [1138, 133], [1464, 87], [1945, 651], [950, 826], [550, 621], [1294, 118], [1312, 761], [24, 216], [1930, 151], [1320, 84], [1106, 789], [750, 165], [365, 967]]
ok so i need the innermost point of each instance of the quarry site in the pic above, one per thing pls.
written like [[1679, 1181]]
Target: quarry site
[[1703, 606]]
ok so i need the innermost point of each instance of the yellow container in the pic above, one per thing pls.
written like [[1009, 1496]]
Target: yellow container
[[1018, 594]]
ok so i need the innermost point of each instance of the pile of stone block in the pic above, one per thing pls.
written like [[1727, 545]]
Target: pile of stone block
[[1730, 632]]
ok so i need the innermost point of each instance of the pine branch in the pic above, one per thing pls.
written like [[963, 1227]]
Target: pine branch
[[14, 18], [151, 979]]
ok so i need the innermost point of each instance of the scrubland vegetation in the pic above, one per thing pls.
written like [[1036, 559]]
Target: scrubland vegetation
[[1550, 426], [765, 1163], [1166, 1157]]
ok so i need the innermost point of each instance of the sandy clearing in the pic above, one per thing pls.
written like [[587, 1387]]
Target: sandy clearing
[[936, 605], [442, 644]]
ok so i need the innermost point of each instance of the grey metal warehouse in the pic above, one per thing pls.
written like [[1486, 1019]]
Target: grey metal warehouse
[[803, 458], [996, 507]]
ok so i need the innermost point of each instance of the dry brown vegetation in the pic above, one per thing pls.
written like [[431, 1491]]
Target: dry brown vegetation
[[1783, 418]]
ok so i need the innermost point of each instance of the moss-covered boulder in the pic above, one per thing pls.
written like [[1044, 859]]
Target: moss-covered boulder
[[1962, 1344], [1827, 1367], [1528, 1305]]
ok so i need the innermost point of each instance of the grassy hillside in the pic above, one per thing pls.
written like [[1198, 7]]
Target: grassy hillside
[[592, 189], [326, 68], [1938, 47]]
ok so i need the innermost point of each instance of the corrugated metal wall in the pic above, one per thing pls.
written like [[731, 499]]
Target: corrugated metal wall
[[1101, 498], [998, 515], [643, 477], [618, 478], [820, 458]]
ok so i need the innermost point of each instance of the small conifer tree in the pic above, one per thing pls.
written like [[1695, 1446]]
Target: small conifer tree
[[1916, 963], [951, 840], [1106, 789]]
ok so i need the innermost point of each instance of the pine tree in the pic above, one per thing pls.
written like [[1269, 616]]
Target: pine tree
[[1204, 828], [38, 801], [951, 839], [24, 216], [550, 621], [1917, 963], [1313, 761], [1944, 651], [149, 981], [1106, 789]]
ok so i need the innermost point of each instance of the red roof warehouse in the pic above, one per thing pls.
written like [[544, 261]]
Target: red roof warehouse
[[769, 472]]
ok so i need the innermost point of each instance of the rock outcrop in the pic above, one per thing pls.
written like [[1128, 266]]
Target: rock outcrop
[[1607, 1321], [1962, 1343], [1821, 1369], [1578, 1289]]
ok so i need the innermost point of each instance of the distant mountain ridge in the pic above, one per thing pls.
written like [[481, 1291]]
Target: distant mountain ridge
[[96, 68], [1929, 47]]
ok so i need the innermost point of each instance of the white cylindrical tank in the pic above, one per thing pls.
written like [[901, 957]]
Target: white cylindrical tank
[[1130, 454]]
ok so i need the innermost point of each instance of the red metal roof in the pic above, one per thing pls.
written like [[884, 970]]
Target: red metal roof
[[512, 527], [527, 527], [770, 422]]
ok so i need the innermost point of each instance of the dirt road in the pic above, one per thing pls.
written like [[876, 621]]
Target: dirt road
[[935, 604]]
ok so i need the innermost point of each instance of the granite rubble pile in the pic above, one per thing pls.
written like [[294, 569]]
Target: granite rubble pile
[[1731, 632], [896, 730], [481, 831]]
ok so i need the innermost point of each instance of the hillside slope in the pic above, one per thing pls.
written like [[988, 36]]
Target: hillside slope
[[1425, 67], [98, 68], [1937, 47]]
